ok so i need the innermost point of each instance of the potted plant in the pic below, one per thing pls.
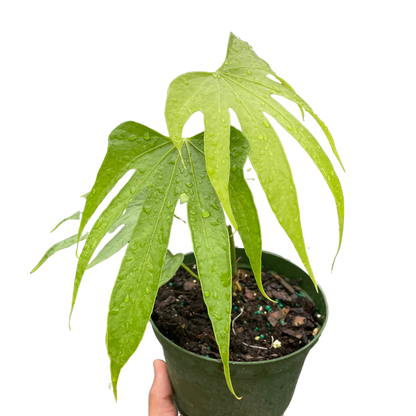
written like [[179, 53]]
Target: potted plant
[[206, 173]]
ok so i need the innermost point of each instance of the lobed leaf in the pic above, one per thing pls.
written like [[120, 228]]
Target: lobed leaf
[[242, 84], [158, 168], [149, 162]]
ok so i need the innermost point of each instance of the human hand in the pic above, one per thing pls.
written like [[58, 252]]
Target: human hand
[[160, 395]]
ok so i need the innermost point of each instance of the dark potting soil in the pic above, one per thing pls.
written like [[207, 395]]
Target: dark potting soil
[[278, 328]]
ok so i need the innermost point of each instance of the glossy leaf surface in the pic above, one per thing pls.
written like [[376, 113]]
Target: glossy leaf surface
[[242, 84], [159, 168]]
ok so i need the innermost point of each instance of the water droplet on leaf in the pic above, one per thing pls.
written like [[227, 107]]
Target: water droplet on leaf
[[216, 315], [205, 213]]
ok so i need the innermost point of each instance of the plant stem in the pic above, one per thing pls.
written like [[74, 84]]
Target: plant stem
[[190, 271], [233, 242]]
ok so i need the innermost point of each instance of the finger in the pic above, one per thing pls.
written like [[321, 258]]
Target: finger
[[161, 384], [160, 396]]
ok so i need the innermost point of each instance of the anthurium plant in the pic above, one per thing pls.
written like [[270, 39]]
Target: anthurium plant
[[206, 173]]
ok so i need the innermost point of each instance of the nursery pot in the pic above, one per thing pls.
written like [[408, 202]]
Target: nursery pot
[[266, 387]]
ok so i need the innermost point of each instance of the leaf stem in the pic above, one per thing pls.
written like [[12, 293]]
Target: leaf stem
[[233, 242], [190, 271], [180, 219]]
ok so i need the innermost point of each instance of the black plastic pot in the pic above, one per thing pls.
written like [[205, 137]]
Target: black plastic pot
[[267, 387]]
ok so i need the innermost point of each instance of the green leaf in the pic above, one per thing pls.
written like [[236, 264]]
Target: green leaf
[[75, 216], [172, 264], [158, 168], [211, 245], [244, 209], [241, 83], [148, 158]]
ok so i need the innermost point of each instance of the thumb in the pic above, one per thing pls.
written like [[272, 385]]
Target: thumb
[[161, 387], [160, 396]]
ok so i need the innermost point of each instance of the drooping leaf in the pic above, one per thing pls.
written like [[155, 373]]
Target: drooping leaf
[[242, 203], [158, 167], [148, 158], [75, 216], [242, 84]]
